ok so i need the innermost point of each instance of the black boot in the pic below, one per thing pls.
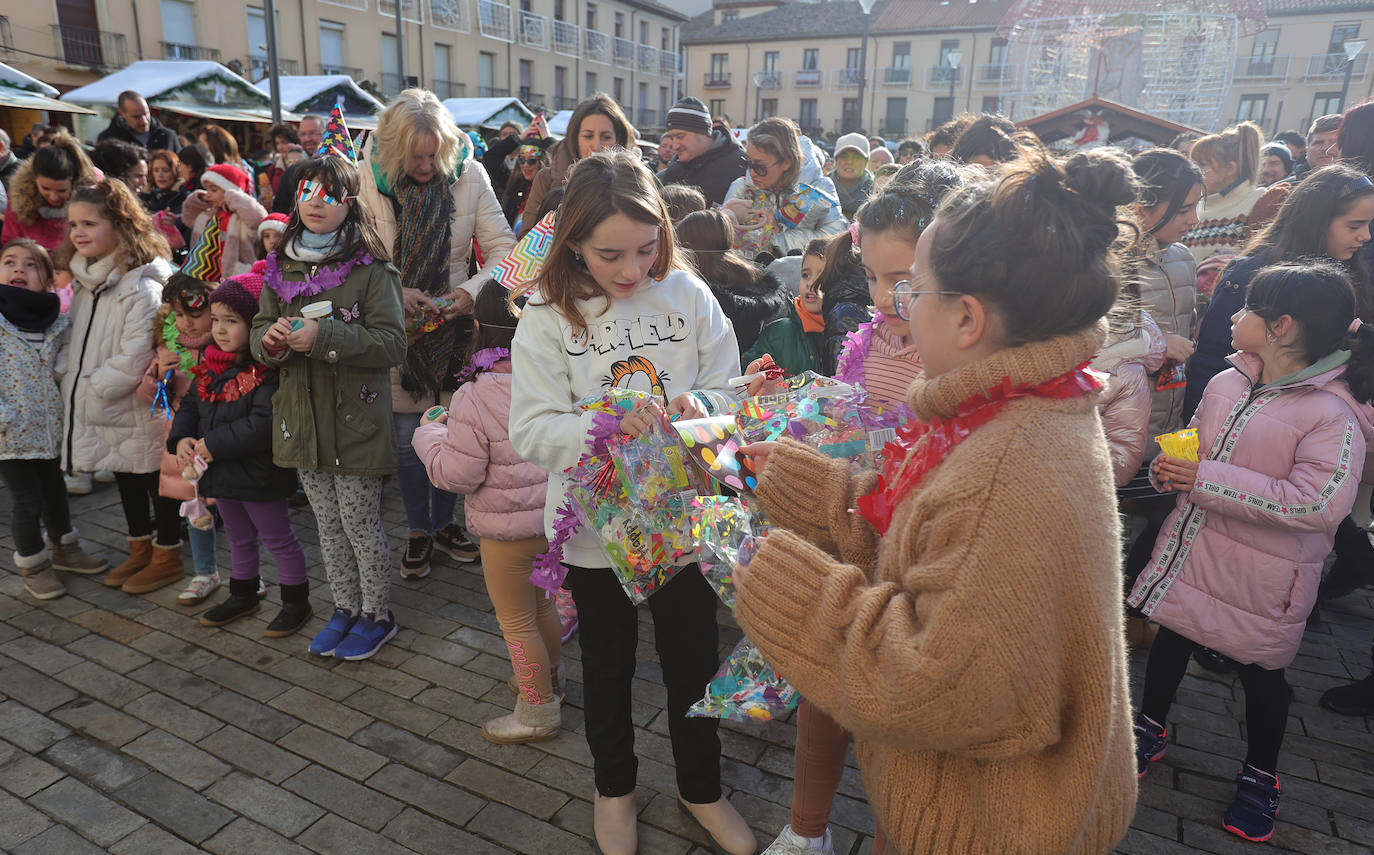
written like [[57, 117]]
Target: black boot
[[243, 600], [1355, 699], [295, 611]]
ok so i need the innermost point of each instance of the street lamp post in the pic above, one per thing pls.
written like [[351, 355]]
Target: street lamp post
[[867, 6], [1352, 48], [269, 13], [954, 57]]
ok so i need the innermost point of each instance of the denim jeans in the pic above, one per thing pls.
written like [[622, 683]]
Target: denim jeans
[[428, 508], [203, 558]]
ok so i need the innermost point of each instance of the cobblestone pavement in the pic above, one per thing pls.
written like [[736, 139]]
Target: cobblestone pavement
[[127, 727]]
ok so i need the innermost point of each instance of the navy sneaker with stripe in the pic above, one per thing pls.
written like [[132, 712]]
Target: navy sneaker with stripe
[[1151, 740], [1252, 812]]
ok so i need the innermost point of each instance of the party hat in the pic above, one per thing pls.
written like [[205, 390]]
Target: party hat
[[203, 262], [336, 140]]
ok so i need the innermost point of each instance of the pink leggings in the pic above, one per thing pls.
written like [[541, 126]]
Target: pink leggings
[[818, 764]]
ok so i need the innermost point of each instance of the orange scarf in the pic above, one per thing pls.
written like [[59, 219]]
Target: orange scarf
[[811, 322]]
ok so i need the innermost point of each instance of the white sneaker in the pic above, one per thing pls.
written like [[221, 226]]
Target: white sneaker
[[262, 589], [198, 589], [104, 476], [790, 842], [78, 484]]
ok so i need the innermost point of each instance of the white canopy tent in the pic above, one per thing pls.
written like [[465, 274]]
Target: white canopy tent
[[23, 92], [488, 112], [206, 90], [318, 94]]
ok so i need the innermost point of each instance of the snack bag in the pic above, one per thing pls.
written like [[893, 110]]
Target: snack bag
[[803, 202], [746, 688], [1181, 444], [1174, 375]]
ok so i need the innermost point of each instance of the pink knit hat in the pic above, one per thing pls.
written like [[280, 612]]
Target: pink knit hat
[[272, 223], [241, 294], [227, 177]]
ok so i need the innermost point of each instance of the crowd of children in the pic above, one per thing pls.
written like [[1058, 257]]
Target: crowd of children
[[1038, 314]]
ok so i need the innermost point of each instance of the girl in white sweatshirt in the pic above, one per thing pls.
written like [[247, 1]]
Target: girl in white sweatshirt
[[613, 306]]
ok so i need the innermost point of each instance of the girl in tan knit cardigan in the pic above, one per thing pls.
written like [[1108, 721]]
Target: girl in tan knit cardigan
[[966, 626]]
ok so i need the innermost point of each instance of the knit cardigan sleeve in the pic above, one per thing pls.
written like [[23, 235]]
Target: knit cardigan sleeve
[[812, 496]]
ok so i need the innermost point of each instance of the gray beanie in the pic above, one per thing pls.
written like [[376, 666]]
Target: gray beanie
[[689, 114]]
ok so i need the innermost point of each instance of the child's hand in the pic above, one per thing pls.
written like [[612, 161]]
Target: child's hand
[[1177, 348], [756, 367], [166, 361], [642, 418], [186, 451], [758, 452], [439, 419], [1177, 475], [203, 450], [275, 337], [686, 406], [301, 340]]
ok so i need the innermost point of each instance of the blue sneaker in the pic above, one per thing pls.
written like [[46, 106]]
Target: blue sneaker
[[327, 639], [366, 637], [1151, 740], [1251, 814]]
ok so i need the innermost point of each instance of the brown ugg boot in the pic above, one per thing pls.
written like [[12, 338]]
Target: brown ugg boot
[[140, 553], [165, 569]]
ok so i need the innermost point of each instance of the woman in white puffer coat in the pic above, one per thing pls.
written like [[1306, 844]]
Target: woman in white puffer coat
[[430, 199], [118, 272]]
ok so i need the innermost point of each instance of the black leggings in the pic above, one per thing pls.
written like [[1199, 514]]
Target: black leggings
[[1266, 696], [136, 493], [37, 492], [685, 634]]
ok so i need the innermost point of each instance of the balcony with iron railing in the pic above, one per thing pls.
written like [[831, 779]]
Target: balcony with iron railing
[[648, 59], [534, 30], [532, 99], [812, 128], [892, 126], [940, 76], [352, 71], [567, 39], [563, 102], [1331, 66], [597, 46], [450, 15], [450, 89], [624, 53], [391, 83], [994, 74], [494, 20], [768, 80], [90, 48], [173, 50], [492, 92], [1270, 68], [258, 67], [848, 78], [895, 75], [669, 63], [646, 119], [808, 78], [717, 80]]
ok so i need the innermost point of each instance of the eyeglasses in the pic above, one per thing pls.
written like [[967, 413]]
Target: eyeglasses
[[528, 161], [904, 294], [760, 168], [307, 190]]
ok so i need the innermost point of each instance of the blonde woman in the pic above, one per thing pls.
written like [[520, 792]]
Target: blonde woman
[[430, 199]]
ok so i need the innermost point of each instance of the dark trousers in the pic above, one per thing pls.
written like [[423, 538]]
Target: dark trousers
[[138, 493], [685, 635], [37, 493], [1266, 696], [1156, 510]]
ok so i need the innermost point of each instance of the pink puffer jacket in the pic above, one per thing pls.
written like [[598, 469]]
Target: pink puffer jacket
[[472, 454], [1125, 402], [1237, 564]]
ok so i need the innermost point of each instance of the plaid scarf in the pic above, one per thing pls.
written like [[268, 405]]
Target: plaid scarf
[[421, 252]]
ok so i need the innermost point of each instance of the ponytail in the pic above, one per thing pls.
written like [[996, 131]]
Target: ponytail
[[1238, 144]]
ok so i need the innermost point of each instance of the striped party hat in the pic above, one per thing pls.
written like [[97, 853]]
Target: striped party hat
[[336, 140], [203, 262]]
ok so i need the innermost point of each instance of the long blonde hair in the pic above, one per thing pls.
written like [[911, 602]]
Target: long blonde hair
[[599, 186], [403, 125]]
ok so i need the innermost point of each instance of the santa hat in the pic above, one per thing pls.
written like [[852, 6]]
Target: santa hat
[[272, 223], [227, 177], [241, 294], [203, 261]]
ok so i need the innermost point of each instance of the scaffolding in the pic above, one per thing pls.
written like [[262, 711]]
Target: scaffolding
[[1172, 58]]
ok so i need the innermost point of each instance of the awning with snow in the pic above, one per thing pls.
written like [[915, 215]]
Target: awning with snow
[[207, 90], [18, 89], [318, 94], [488, 112]]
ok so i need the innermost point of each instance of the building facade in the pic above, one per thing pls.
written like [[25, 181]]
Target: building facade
[[929, 59], [548, 53]]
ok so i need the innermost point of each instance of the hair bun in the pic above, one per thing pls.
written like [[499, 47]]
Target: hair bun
[[1102, 177]]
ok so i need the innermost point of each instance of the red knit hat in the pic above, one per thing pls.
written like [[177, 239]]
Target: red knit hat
[[227, 177], [241, 294], [272, 223]]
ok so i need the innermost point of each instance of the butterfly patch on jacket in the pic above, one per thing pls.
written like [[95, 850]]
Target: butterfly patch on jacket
[[365, 396], [352, 315]]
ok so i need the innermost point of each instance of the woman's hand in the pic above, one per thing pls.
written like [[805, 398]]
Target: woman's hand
[[301, 340], [642, 418], [166, 361], [1175, 474], [686, 406], [416, 301], [1177, 348], [746, 218], [758, 453], [275, 337], [186, 451], [538, 129], [461, 304]]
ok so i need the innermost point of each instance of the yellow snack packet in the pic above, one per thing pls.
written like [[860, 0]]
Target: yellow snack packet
[[1180, 445]]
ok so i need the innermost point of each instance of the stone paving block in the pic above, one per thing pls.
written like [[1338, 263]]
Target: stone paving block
[[151, 840], [333, 835], [319, 680], [29, 730], [49, 627], [94, 763], [172, 650], [177, 759], [388, 679], [90, 678], [266, 803], [498, 785], [576, 817], [19, 822], [468, 739], [521, 832], [330, 715], [464, 708], [39, 655], [329, 750], [250, 715], [58, 840], [345, 797], [23, 774], [119, 658], [242, 679], [402, 713], [245, 836], [75, 804], [100, 721], [429, 836], [243, 651], [33, 689], [180, 809], [173, 716], [444, 651], [110, 625], [424, 792], [449, 676], [405, 747], [251, 754], [171, 680]]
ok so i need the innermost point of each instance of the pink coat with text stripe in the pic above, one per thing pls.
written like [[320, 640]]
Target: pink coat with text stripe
[[1237, 564], [472, 454]]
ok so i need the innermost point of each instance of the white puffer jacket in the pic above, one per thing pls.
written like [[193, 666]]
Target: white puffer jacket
[[476, 214], [111, 320]]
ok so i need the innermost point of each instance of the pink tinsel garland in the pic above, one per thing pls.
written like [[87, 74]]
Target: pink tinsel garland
[[849, 368], [326, 279], [483, 360]]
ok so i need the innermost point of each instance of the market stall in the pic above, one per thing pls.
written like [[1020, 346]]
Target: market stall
[[205, 90], [488, 113], [319, 93], [24, 100]]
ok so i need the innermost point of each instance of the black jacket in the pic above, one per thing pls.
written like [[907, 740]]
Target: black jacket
[[8, 167], [751, 306], [159, 135], [713, 172], [284, 200], [239, 436], [494, 161], [845, 305]]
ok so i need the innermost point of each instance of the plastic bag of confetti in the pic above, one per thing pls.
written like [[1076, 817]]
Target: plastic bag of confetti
[[746, 688], [727, 531]]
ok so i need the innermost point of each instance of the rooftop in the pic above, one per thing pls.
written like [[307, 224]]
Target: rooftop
[[790, 21]]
